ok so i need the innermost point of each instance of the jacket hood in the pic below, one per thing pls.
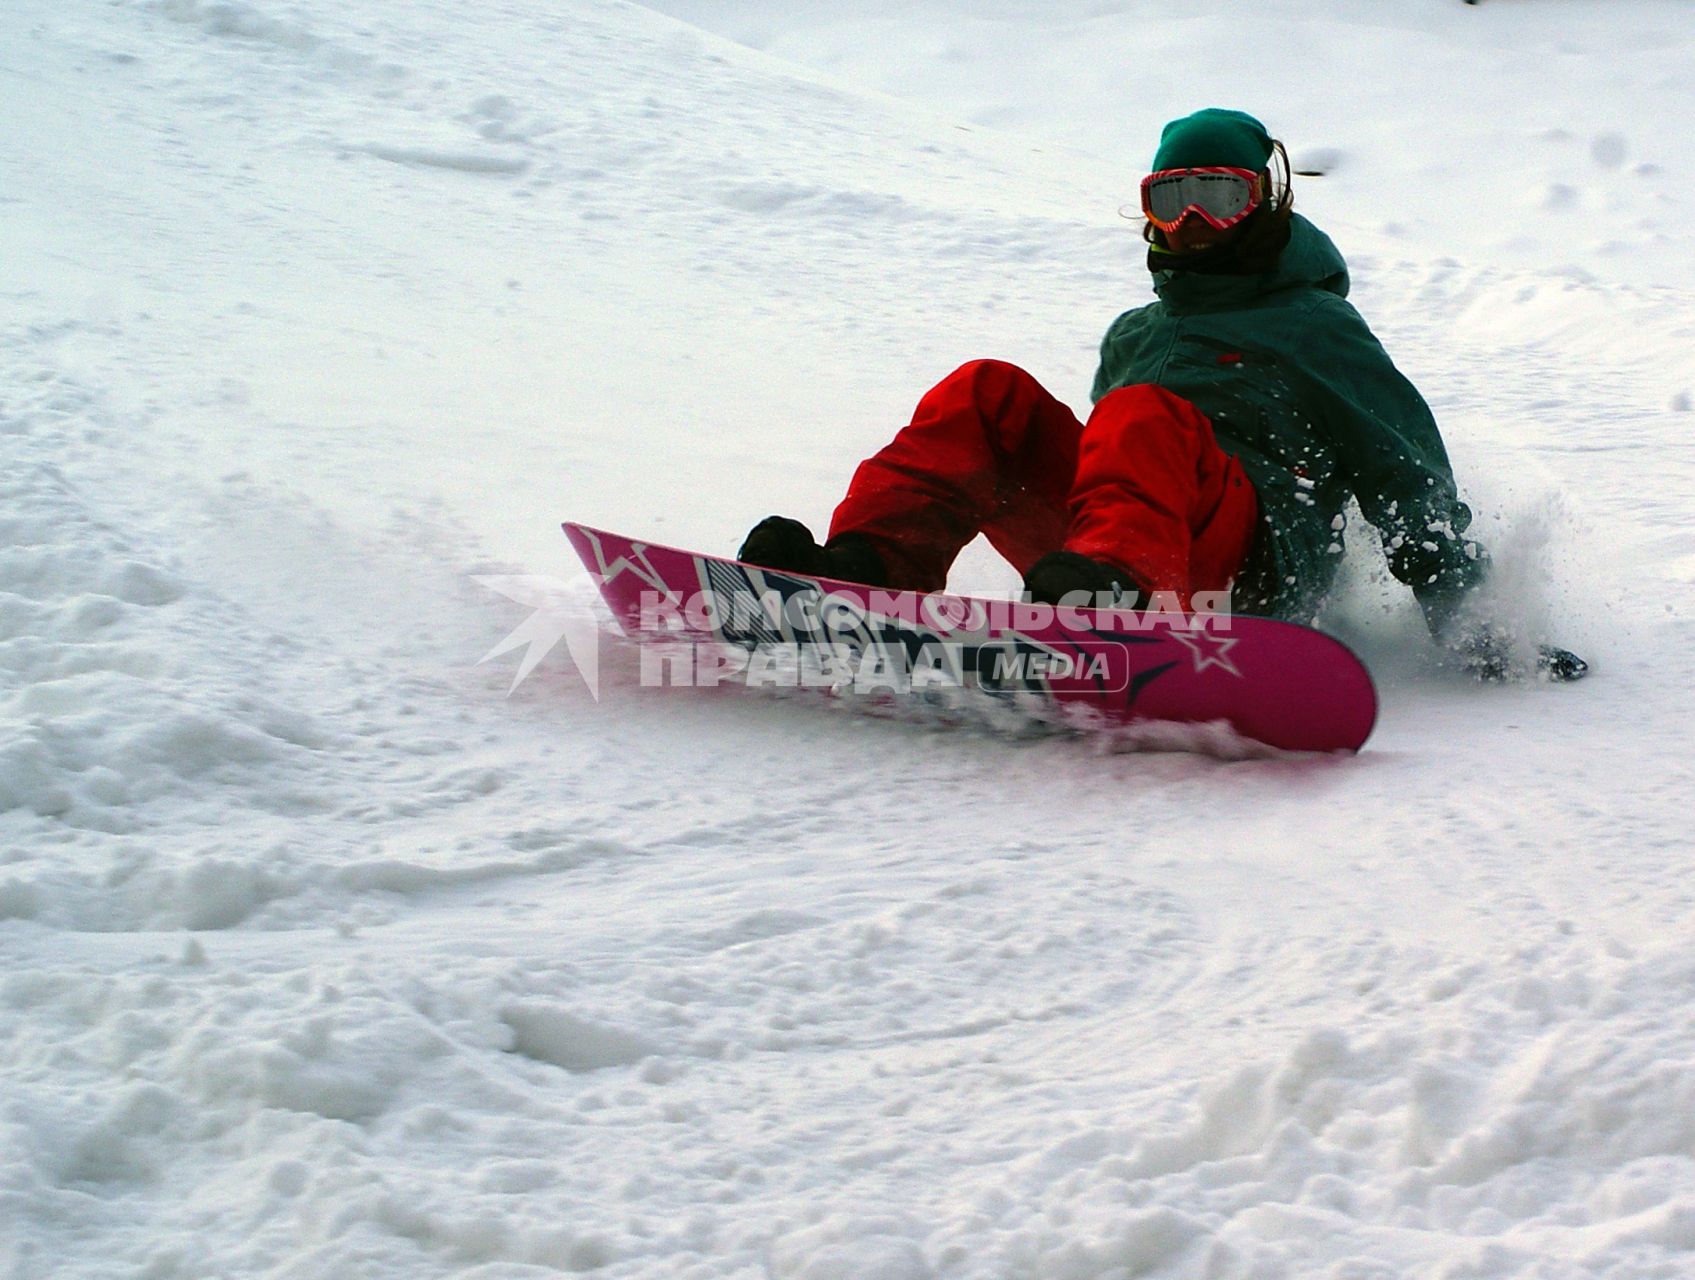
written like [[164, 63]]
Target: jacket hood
[[1308, 261]]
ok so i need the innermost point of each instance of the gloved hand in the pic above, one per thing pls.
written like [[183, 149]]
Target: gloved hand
[[1066, 573], [1559, 665], [1486, 652], [778, 542]]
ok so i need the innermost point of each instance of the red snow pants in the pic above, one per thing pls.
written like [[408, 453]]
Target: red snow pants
[[1142, 485]]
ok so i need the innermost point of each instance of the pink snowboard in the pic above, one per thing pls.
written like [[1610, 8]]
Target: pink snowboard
[[1278, 683]]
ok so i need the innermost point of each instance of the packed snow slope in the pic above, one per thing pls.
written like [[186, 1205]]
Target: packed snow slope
[[319, 956]]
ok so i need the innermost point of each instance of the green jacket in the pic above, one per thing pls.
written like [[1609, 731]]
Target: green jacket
[[1297, 387]]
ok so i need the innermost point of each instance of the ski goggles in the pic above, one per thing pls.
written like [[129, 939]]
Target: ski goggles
[[1222, 196]]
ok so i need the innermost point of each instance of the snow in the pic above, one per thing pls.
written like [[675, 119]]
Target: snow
[[319, 955]]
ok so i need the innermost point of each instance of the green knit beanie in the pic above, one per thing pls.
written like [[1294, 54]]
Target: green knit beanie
[[1214, 137]]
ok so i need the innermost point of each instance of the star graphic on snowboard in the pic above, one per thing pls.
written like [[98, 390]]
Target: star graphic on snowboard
[[1208, 649], [635, 563]]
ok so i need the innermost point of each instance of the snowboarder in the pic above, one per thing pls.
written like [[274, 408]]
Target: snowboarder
[[1233, 419]]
